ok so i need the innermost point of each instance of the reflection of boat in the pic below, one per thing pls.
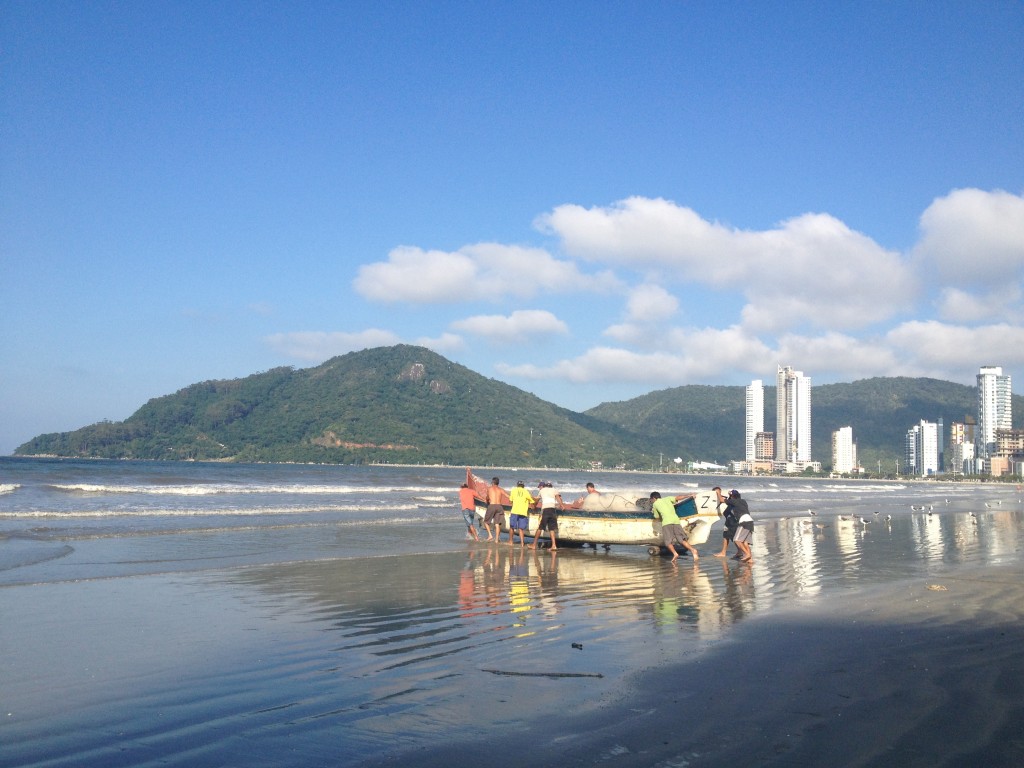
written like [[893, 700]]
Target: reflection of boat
[[609, 518]]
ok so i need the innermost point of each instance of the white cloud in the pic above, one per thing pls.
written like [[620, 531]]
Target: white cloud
[[838, 355], [317, 346], [1002, 303], [648, 308], [944, 348], [605, 364], [443, 344], [485, 271], [811, 269], [687, 356], [519, 327], [418, 276], [974, 236]]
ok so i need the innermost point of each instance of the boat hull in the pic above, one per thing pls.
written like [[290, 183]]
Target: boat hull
[[697, 515]]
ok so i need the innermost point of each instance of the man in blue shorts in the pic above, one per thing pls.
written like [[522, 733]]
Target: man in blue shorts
[[519, 520]]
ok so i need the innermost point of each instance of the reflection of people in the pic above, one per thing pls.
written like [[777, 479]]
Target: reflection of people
[[467, 498], [729, 519], [495, 511], [549, 502], [671, 530], [744, 523], [519, 586], [519, 519]]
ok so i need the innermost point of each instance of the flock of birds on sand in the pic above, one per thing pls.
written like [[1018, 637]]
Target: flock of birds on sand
[[865, 521]]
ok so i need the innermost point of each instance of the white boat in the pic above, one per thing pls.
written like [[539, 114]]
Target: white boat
[[610, 518]]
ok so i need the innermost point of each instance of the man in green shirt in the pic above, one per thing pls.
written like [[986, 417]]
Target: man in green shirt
[[671, 530]]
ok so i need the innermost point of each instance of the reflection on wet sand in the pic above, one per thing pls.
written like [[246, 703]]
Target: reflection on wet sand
[[458, 603]]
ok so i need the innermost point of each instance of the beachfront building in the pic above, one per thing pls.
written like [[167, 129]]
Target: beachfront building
[[793, 417], [959, 458], [922, 449], [995, 404], [1009, 454], [755, 419], [764, 446], [844, 451]]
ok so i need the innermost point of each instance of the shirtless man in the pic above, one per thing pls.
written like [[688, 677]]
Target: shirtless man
[[495, 511]]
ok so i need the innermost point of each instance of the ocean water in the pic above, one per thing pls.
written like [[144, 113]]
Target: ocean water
[[215, 614], [177, 516]]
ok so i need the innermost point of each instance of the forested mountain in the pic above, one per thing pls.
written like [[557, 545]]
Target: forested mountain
[[399, 404], [406, 404]]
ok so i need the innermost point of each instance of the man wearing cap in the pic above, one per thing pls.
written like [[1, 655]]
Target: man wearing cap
[[737, 506], [729, 521]]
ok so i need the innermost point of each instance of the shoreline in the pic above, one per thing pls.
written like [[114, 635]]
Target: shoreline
[[1007, 480]]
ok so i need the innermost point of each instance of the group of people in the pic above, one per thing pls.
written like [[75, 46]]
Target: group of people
[[739, 524], [547, 500]]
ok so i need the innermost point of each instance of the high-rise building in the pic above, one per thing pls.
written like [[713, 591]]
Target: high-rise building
[[755, 417], [995, 408], [844, 451], [922, 456], [960, 456], [764, 446], [793, 416]]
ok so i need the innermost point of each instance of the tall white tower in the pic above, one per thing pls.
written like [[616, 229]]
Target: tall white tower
[[995, 408], [755, 417], [844, 451], [793, 416]]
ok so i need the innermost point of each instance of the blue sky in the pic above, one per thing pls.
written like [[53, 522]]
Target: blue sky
[[589, 201]]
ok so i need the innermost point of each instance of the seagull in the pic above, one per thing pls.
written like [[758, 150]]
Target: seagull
[[876, 513], [916, 508], [864, 521], [974, 518], [888, 518], [811, 512], [987, 504]]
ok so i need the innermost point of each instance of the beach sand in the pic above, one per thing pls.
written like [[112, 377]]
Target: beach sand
[[374, 662], [925, 673]]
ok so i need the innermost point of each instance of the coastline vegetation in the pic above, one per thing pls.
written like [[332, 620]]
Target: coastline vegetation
[[408, 405]]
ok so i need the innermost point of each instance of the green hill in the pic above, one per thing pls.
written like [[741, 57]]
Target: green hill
[[399, 404], [406, 404]]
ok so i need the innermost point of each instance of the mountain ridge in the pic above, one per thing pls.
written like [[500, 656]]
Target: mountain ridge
[[407, 404]]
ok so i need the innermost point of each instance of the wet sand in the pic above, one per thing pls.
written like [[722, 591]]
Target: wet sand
[[929, 672], [843, 646]]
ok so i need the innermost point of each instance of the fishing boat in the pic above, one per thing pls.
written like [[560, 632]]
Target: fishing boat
[[611, 518]]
